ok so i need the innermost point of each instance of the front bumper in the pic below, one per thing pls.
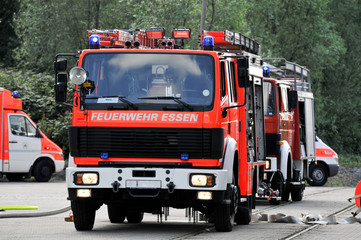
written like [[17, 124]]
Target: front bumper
[[147, 178]]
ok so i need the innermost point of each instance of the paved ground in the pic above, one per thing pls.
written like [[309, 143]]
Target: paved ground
[[50, 196]]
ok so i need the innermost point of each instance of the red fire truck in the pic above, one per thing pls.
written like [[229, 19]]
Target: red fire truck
[[290, 131], [157, 126]]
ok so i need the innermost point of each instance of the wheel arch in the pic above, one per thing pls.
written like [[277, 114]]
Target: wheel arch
[[230, 154], [286, 160], [45, 158]]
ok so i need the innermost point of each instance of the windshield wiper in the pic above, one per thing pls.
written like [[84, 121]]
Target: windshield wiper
[[176, 99], [121, 98]]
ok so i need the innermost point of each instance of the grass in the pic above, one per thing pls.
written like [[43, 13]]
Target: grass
[[349, 160]]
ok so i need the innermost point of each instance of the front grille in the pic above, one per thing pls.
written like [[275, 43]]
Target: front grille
[[146, 142]]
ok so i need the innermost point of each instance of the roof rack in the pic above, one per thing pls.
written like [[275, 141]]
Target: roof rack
[[230, 40], [298, 76], [150, 38]]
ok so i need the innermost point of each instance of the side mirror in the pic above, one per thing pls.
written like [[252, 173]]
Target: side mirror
[[61, 87], [292, 99], [243, 73], [60, 65], [61, 80]]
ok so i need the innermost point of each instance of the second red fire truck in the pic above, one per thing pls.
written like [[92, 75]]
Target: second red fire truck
[[156, 126], [290, 131]]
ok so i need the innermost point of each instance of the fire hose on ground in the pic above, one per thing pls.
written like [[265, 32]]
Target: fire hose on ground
[[33, 214]]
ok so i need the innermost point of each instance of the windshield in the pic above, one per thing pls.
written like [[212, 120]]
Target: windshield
[[149, 78], [269, 99]]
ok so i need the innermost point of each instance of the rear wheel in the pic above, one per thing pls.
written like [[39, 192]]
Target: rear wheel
[[135, 216], [297, 194], [84, 215], [43, 171], [116, 213]]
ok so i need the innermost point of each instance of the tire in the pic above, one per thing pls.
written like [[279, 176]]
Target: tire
[[224, 214], [135, 216], [14, 177], [84, 215], [297, 194], [116, 213], [224, 218], [43, 171], [318, 174]]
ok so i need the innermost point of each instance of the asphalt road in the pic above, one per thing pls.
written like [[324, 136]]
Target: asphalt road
[[50, 196]]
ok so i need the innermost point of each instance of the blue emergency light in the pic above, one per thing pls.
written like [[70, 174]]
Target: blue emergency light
[[15, 94], [94, 42], [266, 71], [184, 156], [208, 42]]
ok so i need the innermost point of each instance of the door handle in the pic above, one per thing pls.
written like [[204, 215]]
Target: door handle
[[13, 141]]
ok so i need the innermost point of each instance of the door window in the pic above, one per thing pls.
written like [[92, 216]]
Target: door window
[[21, 126]]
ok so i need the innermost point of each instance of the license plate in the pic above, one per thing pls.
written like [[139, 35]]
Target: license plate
[[143, 184]]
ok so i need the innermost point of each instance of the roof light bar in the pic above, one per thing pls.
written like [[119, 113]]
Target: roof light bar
[[155, 33], [181, 34]]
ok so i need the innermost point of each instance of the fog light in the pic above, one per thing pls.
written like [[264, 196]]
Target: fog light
[[202, 180], [83, 193], [202, 195]]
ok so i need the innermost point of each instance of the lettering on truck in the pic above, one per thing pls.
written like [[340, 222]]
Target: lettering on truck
[[164, 117]]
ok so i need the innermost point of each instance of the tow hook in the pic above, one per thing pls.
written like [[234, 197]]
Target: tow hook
[[115, 185], [170, 186]]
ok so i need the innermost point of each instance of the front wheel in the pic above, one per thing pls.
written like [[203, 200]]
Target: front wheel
[[318, 175], [224, 214], [224, 218], [42, 171], [84, 215]]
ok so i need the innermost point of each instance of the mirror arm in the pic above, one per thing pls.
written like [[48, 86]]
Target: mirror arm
[[224, 111]]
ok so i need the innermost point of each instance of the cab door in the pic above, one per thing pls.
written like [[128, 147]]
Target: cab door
[[24, 146]]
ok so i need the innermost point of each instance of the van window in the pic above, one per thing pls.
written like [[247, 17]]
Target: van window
[[21, 126]]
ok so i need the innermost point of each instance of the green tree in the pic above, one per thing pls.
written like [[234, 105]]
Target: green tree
[[341, 88], [302, 31], [8, 38]]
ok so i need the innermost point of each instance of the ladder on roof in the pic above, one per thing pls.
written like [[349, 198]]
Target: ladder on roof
[[230, 40], [150, 38], [298, 76]]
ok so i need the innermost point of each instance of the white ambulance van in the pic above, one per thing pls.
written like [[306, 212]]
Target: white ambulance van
[[326, 164], [24, 150]]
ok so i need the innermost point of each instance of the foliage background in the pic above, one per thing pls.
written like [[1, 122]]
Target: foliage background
[[323, 35]]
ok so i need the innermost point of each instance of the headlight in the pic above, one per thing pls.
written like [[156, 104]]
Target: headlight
[[268, 164], [86, 178], [202, 180], [77, 75]]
